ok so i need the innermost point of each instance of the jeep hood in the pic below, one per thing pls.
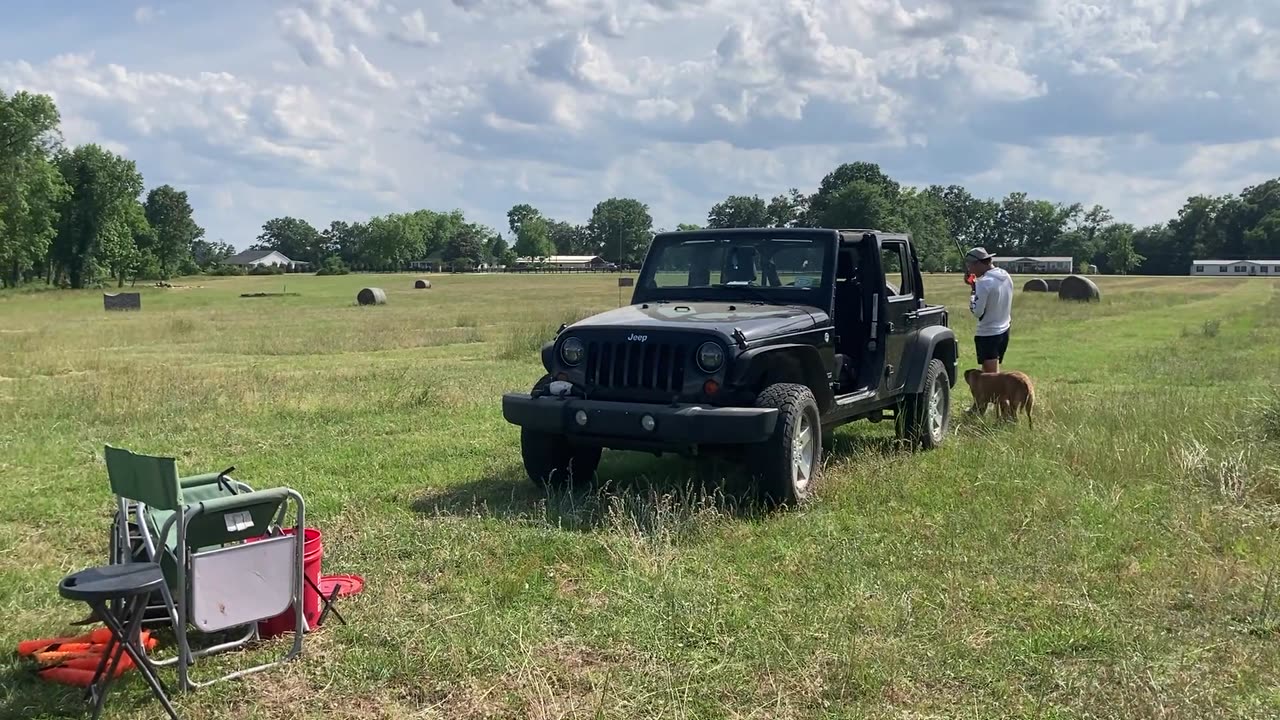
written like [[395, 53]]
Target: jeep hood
[[755, 321]]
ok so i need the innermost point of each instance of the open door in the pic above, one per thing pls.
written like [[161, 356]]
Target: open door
[[899, 310]]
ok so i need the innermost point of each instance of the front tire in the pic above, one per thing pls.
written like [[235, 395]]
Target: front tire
[[925, 418], [789, 464], [551, 462]]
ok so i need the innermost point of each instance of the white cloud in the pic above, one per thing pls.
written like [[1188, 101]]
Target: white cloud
[[413, 30], [313, 39], [354, 13], [380, 78], [1131, 103]]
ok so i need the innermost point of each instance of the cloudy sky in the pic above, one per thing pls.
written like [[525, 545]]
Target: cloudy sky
[[340, 109]]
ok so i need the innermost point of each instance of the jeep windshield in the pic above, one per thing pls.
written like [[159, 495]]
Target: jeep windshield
[[747, 267]]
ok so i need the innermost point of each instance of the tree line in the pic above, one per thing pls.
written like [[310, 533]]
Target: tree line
[[861, 195], [619, 230], [75, 216]]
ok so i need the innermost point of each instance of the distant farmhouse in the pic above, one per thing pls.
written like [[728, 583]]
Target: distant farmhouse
[[1235, 268], [435, 262], [259, 258], [1039, 265], [565, 262]]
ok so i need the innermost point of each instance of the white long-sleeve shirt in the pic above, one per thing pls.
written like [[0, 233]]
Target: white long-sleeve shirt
[[992, 302]]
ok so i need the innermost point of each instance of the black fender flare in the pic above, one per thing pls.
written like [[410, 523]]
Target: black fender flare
[[937, 341], [549, 357], [801, 364]]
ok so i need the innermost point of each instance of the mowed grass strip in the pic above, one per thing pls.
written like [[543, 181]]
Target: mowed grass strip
[[1115, 562]]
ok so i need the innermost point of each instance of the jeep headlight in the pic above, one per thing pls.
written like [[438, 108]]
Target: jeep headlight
[[572, 351], [710, 357]]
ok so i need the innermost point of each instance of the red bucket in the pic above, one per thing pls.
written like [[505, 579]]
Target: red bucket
[[312, 551]]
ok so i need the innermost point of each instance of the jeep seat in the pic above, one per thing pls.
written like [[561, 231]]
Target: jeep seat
[[740, 265], [850, 329]]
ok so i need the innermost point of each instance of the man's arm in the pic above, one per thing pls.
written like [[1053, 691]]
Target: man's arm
[[978, 300]]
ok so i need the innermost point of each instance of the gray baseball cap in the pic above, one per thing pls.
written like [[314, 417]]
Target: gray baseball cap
[[978, 254]]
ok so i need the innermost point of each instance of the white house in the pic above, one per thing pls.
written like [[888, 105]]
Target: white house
[[255, 258], [435, 262], [1039, 265], [564, 261], [1235, 268]]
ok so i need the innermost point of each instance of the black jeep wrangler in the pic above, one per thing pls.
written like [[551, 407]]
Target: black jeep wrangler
[[751, 342]]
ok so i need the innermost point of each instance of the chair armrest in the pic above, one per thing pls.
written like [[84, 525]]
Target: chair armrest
[[197, 480], [243, 500]]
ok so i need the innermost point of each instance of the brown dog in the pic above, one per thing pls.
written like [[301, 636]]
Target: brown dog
[[1010, 391]]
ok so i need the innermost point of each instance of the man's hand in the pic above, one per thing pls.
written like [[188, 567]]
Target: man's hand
[[970, 280]]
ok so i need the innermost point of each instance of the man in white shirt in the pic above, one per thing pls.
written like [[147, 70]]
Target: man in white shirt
[[991, 302]]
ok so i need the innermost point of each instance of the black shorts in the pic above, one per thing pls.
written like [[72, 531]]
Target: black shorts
[[991, 347]]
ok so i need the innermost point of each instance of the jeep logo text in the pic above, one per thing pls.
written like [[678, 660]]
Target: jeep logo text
[[637, 338]]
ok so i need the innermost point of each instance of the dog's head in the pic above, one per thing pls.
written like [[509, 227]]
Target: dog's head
[[971, 376]]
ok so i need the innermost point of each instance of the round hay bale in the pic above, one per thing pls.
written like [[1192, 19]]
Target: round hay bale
[[1036, 285], [1078, 287], [371, 296], [422, 284], [1054, 284]]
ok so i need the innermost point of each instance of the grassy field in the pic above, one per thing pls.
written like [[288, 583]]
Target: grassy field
[[1119, 561]]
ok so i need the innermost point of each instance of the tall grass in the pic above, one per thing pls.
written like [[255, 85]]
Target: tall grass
[[523, 341], [1118, 561]]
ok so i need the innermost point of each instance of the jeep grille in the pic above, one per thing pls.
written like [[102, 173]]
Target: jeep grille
[[633, 365]]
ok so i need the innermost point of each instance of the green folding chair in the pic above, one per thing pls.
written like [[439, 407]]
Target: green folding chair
[[221, 546]]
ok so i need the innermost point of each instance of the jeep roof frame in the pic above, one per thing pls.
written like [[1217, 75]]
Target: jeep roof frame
[[831, 236]]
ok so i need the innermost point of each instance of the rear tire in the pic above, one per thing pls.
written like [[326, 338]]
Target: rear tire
[[788, 466], [551, 462], [924, 418]]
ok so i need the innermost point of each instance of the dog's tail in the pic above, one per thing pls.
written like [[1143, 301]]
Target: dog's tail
[[1031, 400]]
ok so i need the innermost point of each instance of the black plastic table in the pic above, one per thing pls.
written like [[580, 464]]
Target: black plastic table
[[127, 587]]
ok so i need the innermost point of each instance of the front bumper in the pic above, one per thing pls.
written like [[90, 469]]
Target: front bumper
[[618, 424]]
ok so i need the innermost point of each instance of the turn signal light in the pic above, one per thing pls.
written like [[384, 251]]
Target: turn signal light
[[563, 377], [711, 387]]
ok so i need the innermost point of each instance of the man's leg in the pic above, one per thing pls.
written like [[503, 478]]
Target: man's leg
[[993, 353]]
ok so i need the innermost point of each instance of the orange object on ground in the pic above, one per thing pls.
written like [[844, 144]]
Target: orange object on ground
[[65, 653], [68, 676], [92, 662], [30, 647]]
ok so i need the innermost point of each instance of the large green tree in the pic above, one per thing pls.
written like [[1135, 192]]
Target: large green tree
[[533, 240], [31, 188], [206, 254], [341, 239], [95, 216], [621, 228], [1116, 243], [171, 218], [857, 204], [866, 175], [788, 209], [392, 241], [466, 248], [519, 214], [739, 211]]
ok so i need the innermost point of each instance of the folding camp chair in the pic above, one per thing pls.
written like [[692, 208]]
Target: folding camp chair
[[221, 546]]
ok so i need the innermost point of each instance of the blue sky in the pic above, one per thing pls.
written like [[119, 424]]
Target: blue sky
[[340, 109]]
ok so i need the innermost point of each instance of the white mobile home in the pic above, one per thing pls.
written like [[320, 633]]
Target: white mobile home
[[1235, 268], [1039, 265]]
